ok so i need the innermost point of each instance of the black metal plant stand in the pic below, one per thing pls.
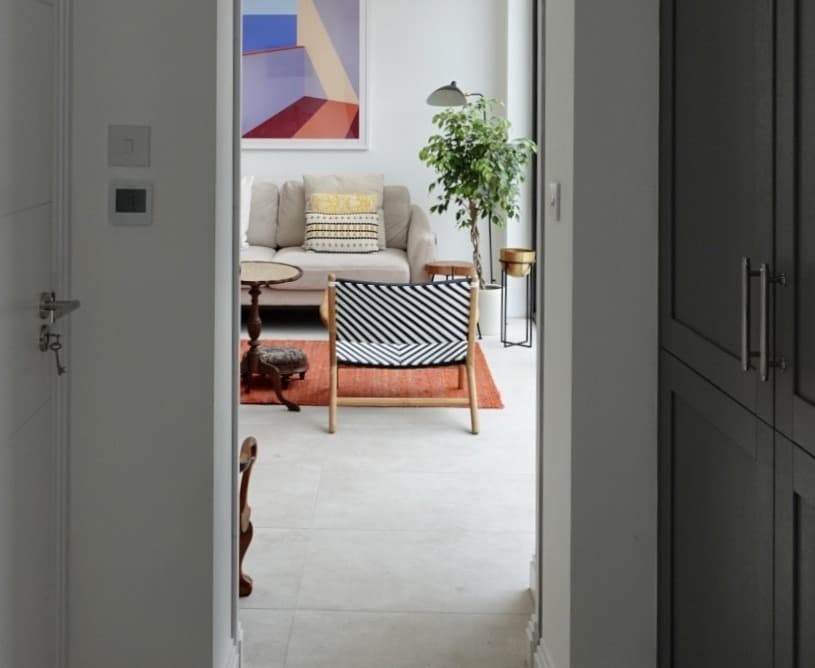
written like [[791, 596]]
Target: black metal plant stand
[[527, 340]]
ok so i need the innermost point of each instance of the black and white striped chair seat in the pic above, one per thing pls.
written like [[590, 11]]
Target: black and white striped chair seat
[[402, 324]]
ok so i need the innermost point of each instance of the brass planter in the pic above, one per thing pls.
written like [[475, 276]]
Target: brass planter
[[517, 261]]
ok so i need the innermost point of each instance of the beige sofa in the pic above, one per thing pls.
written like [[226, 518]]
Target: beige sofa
[[276, 231]]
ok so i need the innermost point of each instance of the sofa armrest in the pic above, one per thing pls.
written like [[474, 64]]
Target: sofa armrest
[[421, 244]]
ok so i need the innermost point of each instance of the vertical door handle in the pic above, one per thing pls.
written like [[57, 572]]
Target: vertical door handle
[[764, 278], [764, 362], [746, 274]]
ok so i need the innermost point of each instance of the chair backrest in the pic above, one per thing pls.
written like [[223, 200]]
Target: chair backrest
[[369, 312]]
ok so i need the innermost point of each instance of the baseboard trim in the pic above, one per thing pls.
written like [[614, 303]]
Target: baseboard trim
[[532, 640], [542, 658], [533, 579], [234, 658]]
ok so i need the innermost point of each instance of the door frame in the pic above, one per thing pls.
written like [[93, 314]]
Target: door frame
[[61, 284]]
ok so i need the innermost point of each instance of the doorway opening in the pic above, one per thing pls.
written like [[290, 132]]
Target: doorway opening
[[401, 532]]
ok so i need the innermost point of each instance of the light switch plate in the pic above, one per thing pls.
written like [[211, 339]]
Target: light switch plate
[[128, 146], [553, 200]]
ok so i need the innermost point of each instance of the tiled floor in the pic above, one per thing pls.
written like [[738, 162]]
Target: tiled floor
[[401, 541]]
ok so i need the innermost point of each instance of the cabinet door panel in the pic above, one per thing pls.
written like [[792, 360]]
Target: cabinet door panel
[[716, 515], [795, 415], [795, 556], [717, 186]]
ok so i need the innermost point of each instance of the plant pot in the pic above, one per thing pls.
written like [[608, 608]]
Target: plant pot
[[517, 261], [489, 309]]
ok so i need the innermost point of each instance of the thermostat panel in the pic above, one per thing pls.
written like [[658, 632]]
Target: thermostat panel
[[131, 203]]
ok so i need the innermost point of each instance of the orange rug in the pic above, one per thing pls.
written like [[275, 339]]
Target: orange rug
[[313, 391]]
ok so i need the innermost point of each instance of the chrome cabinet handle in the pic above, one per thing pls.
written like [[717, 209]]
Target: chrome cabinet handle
[[746, 274], [764, 282], [745, 314], [763, 354]]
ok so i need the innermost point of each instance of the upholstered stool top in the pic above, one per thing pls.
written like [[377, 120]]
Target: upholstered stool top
[[286, 359]]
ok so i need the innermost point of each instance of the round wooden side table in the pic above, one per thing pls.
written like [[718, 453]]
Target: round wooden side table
[[258, 275], [450, 268]]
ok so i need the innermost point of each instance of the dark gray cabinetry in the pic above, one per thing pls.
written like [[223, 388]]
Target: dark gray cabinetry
[[716, 185], [716, 528], [737, 434], [795, 221], [795, 556]]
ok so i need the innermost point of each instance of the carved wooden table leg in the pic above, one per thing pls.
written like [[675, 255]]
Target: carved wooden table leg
[[248, 455], [249, 363]]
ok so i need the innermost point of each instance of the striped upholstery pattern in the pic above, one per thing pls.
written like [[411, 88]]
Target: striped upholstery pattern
[[402, 324]]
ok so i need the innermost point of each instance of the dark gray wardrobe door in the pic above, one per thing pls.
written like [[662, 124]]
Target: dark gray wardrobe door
[[795, 556], [716, 527], [795, 219], [716, 183]]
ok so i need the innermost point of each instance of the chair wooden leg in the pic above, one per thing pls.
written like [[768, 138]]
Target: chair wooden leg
[[462, 372], [473, 397], [332, 399]]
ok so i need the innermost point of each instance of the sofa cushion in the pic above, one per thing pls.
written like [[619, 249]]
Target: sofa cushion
[[342, 232], [258, 254], [390, 265], [373, 183], [262, 229], [396, 204], [291, 215], [340, 203]]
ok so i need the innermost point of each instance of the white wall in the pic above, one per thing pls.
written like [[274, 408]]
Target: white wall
[[557, 276], [413, 48], [600, 348], [144, 360]]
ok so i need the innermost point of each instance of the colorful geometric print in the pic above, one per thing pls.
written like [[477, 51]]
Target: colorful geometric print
[[342, 233]]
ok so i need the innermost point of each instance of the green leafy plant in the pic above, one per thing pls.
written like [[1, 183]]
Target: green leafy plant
[[479, 169]]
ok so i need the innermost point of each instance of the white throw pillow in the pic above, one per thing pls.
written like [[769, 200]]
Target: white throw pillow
[[342, 233], [246, 202]]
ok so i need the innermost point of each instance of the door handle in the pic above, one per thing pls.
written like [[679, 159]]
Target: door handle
[[764, 362], [52, 309], [746, 274]]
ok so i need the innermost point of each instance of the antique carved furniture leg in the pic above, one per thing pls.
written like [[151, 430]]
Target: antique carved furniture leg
[[279, 364], [249, 364], [248, 456], [277, 386]]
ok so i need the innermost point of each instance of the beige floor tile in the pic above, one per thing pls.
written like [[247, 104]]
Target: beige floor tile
[[378, 640], [410, 571], [265, 637], [425, 502], [275, 561], [282, 494]]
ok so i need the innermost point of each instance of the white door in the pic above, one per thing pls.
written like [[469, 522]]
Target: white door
[[31, 475]]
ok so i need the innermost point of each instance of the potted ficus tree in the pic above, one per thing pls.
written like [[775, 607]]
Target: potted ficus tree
[[479, 170]]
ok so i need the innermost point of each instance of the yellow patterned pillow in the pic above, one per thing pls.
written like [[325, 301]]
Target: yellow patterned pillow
[[343, 203]]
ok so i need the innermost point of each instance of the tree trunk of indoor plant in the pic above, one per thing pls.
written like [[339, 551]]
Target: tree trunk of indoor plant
[[475, 238]]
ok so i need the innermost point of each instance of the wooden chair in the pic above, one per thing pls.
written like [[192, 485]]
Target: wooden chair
[[402, 326]]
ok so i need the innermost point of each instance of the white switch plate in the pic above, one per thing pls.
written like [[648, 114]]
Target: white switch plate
[[128, 146]]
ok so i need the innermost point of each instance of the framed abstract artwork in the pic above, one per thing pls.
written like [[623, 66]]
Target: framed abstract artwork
[[303, 74]]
